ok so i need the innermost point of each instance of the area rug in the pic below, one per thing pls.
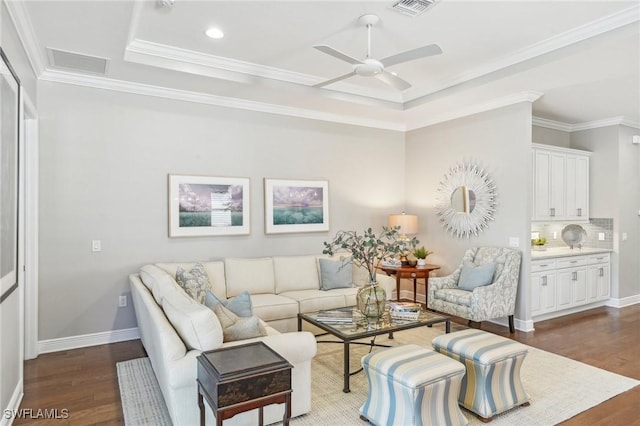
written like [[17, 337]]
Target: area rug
[[559, 387]]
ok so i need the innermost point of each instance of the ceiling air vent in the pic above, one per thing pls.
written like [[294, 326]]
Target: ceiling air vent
[[77, 61], [412, 7]]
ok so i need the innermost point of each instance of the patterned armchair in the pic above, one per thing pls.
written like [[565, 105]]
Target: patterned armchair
[[495, 300]]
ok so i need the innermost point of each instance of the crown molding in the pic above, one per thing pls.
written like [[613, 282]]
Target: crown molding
[[551, 124], [26, 35], [578, 34], [164, 56], [588, 125], [516, 98], [183, 95]]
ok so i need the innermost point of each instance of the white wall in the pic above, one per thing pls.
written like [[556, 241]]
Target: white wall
[[104, 162], [499, 141]]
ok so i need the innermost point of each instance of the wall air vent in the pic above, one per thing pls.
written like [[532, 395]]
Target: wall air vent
[[77, 61], [412, 7]]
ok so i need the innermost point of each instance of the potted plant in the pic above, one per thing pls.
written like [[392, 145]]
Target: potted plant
[[367, 250], [538, 243], [421, 254]]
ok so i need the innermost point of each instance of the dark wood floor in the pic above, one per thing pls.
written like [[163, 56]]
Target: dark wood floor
[[84, 381]]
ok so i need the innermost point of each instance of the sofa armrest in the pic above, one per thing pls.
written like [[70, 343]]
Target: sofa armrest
[[295, 347]]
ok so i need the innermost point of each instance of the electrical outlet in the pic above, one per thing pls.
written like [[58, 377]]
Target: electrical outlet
[[122, 301], [514, 242], [625, 236], [555, 235], [600, 236], [96, 245]]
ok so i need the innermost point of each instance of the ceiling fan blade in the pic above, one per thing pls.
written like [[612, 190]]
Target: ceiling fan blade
[[333, 80], [410, 55], [337, 54], [393, 80]]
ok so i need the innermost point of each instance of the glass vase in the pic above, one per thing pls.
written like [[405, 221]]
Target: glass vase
[[371, 300]]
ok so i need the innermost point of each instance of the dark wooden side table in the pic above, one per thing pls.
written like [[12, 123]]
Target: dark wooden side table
[[242, 378], [411, 272]]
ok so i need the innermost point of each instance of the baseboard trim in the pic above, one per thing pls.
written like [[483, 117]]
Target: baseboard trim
[[626, 301], [85, 340], [14, 405]]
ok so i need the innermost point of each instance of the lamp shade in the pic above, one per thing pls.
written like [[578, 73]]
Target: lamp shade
[[408, 223]]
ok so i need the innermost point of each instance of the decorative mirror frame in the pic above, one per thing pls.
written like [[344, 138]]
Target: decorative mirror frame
[[473, 178]]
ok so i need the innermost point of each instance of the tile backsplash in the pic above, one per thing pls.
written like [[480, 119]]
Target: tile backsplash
[[593, 228]]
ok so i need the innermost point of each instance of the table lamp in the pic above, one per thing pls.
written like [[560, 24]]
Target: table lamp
[[408, 224]]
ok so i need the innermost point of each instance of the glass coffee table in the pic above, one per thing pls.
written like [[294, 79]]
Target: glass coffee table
[[362, 328]]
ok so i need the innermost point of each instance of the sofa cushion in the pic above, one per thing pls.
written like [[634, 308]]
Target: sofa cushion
[[194, 282], [237, 328], [316, 300], [335, 274], [239, 305], [158, 281], [273, 307], [295, 273], [197, 325], [253, 275], [473, 276], [214, 270]]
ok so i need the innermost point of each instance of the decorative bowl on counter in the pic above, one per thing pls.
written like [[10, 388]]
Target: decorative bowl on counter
[[574, 235]]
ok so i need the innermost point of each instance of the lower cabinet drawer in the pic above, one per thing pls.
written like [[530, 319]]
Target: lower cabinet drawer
[[599, 258], [571, 262]]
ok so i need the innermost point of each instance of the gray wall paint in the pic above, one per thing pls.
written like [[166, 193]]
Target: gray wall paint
[[498, 140], [629, 196], [548, 136], [614, 179], [104, 162]]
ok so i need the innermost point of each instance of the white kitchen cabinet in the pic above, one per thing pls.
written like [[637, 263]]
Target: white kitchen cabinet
[[560, 184], [599, 277], [564, 283]]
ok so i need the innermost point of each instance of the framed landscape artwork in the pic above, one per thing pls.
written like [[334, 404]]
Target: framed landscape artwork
[[206, 205], [296, 206], [9, 124]]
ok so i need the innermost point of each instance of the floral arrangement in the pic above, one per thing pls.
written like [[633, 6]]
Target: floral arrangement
[[367, 250]]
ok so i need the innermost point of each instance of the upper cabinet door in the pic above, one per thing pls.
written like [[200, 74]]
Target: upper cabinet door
[[541, 185], [577, 188], [560, 185]]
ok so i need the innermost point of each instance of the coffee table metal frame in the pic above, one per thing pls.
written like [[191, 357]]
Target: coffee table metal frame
[[363, 328]]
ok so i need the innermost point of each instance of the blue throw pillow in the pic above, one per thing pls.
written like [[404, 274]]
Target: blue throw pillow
[[473, 276], [335, 274], [239, 305]]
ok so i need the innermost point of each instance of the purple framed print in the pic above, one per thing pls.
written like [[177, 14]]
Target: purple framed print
[[208, 206], [296, 206]]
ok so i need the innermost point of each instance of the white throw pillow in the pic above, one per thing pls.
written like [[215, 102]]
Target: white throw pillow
[[196, 324]]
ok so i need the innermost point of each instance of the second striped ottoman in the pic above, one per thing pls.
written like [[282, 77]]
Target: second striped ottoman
[[492, 384], [410, 385]]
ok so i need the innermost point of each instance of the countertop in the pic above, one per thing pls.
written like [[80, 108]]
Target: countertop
[[565, 251]]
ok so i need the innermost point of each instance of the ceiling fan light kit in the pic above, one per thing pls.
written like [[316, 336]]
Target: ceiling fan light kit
[[370, 67]]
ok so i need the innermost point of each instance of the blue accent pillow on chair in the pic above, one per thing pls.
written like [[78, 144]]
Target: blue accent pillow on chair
[[473, 276]]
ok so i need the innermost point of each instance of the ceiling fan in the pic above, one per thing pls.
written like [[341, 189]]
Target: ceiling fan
[[370, 67]]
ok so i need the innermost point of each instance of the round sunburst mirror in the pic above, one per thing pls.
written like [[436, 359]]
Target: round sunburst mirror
[[466, 200]]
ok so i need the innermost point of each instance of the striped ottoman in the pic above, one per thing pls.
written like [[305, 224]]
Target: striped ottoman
[[412, 385], [492, 383]]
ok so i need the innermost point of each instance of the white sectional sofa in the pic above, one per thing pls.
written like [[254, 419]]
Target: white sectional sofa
[[175, 329]]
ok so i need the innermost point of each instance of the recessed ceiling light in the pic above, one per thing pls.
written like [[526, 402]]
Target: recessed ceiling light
[[214, 32]]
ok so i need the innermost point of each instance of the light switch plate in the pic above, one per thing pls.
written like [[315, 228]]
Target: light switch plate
[[600, 236], [96, 245]]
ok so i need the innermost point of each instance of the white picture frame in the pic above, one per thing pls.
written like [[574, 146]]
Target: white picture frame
[[201, 206], [296, 206]]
